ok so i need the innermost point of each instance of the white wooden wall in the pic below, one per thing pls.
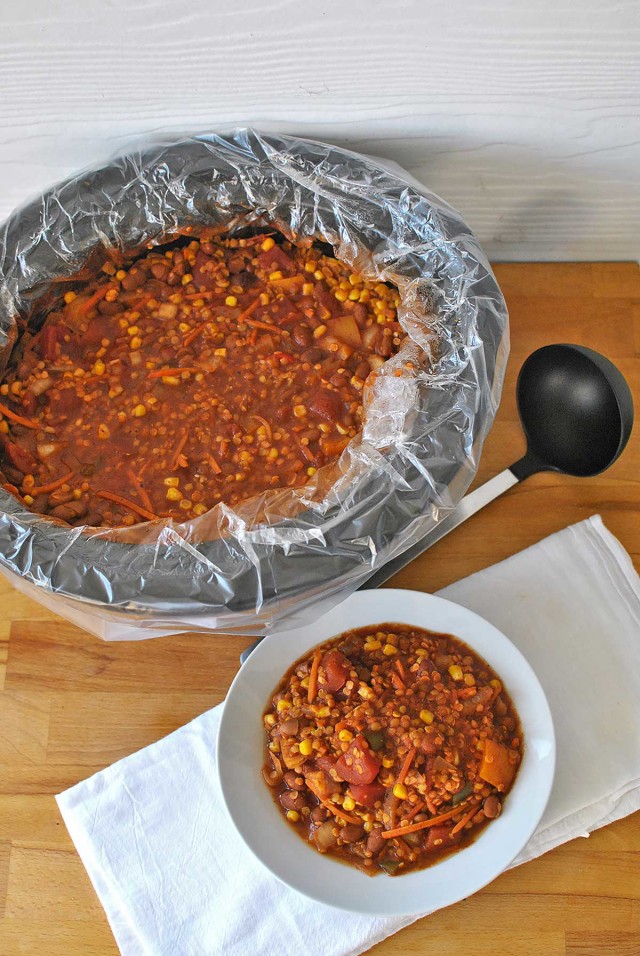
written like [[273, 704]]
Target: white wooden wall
[[522, 113]]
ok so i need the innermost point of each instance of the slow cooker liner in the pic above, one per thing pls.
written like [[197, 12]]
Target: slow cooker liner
[[423, 434]]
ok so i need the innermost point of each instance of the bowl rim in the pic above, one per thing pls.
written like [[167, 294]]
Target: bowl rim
[[325, 879]]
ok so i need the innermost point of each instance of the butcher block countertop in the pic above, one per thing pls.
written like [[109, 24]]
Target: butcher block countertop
[[71, 704]]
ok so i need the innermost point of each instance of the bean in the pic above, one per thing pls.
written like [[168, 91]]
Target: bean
[[362, 370], [292, 800], [375, 841], [302, 336], [70, 511], [293, 780], [319, 814], [312, 356], [491, 807], [351, 833]]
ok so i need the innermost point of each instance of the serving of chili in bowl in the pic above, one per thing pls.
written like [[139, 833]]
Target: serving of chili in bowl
[[400, 735]]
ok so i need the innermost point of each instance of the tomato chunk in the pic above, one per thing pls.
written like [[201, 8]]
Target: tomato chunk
[[367, 794], [337, 668], [358, 764]]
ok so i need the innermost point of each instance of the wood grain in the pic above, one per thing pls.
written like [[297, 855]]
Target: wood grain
[[524, 116], [70, 704]]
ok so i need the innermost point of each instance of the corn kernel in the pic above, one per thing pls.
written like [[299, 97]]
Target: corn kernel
[[111, 295], [267, 244], [135, 342], [365, 692], [387, 762], [283, 704], [28, 499], [109, 268], [349, 803], [319, 331], [120, 274], [496, 684], [389, 649], [456, 672], [265, 298], [469, 680], [426, 716], [185, 504], [270, 720], [307, 288], [187, 278], [345, 736], [4, 428], [368, 826], [354, 295], [304, 682], [139, 411], [171, 482], [99, 368], [69, 297], [293, 816], [273, 453], [306, 747], [365, 295], [174, 494], [373, 645], [133, 330], [341, 295], [299, 411], [231, 300], [318, 275], [311, 471], [322, 711], [400, 791], [103, 432], [170, 380], [199, 509], [184, 327], [275, 275]]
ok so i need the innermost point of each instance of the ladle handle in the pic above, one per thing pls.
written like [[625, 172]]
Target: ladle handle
[[469, 505]]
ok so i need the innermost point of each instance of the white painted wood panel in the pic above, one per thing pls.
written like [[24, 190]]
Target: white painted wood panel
[[524, 115]]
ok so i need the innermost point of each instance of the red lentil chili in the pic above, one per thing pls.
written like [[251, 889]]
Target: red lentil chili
[[202, 373], [391, 747]]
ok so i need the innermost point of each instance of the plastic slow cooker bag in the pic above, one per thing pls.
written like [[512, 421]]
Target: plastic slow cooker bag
[[287, 555]]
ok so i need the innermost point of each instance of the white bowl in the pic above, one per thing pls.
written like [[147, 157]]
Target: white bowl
[[323, 878]]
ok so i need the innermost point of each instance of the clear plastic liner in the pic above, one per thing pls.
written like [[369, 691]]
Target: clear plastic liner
[[288, 555]]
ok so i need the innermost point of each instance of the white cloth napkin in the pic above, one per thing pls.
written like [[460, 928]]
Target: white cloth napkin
[[176, 880]]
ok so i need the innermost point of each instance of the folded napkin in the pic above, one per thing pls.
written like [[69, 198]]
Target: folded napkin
[[174, 877]]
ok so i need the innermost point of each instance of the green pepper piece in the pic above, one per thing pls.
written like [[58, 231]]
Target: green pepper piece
[[375, 739], [461, 795], [390, 866]]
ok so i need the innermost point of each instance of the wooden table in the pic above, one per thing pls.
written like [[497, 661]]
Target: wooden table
[[70, 704]]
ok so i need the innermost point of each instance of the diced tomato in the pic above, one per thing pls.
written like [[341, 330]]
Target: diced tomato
[[367, 794], [48, 342], [337, 668], [327, 405], [440, 836], [276, 260], [20, 458], [358, 763]]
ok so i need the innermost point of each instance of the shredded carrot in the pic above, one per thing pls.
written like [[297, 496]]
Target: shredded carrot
[[313, 677], [95, 298], [257, 324], [193, 335], [129, 505], [416, 810], [179, 448], [339, 812], [433, 821], [472, 812], [50, 486], [249, 310], [267, 426], [161, 372], [11, 489], [18, 419], [397, 683], [286, 283], [400, 669], [406, 766], [135, 481], [214, 464]]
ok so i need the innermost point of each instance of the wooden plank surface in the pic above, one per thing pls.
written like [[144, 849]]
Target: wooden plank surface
[[523, 115], [63, 693]]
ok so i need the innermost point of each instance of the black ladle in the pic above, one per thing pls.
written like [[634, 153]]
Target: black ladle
[[576, 411]]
